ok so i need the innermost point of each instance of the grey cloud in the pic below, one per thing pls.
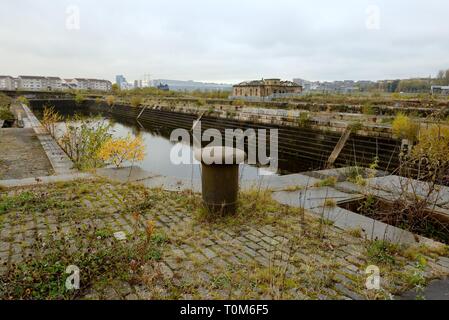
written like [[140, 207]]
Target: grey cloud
[[225, 40]]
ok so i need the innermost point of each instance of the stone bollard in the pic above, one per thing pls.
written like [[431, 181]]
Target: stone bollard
[[220, 178]]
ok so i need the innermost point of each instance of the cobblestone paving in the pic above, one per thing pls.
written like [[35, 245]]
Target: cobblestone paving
[[273, 257]]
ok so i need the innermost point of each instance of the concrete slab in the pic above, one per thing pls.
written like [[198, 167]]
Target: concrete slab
[[342, 173], [149, 179], [280, 183], [312, 198], [436, 290], [127, 174], [371, 229], [13, 183], [349, 187], [397, 185], [173, 184]]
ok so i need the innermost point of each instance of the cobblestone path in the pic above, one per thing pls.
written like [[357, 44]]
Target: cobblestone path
[[274, 256]]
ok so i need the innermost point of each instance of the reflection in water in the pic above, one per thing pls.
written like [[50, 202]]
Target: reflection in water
[[158, 148]]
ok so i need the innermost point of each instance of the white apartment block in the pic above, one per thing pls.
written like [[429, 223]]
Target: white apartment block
[[7, 83], [92, 84], [38, 83], [54, 83], [31, 83]]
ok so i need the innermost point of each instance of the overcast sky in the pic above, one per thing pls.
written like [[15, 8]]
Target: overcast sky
[[225, 41]]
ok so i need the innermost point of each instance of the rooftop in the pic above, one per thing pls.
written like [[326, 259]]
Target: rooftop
[[31, 77], [264, 82]]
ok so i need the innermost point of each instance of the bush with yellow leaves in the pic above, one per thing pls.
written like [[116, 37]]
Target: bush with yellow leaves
[[117, 151], [50, 120], [433, 145], [110, 100], [405, 128]]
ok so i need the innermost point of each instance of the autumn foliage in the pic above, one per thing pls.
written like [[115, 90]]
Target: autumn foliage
[[117, 151]]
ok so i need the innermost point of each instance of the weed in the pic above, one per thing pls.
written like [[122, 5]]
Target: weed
[[293, 189], [355, 126], [24, 199], [368, 109], [382, 252], [330, 203], [328, 182], [326, 222], [356, 232], [417, 278], [304, 119]]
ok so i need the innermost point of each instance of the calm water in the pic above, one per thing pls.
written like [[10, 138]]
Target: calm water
[[158, 148]]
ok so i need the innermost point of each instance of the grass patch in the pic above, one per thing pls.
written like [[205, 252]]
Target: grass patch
[[99, 257], [254, 206], [382, 252], [22, 201], [356, 233], [328, 182], [330, 203], [293, 189]]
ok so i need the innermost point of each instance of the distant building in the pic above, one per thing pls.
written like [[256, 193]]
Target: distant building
[[443, 90], [163, 87], [68, 84], [138, 84], [91, 84], [266, 88], [54, 83], [32, 83], [306, 85], [119, 79], [7, 83], [39, 83], [146, 82]]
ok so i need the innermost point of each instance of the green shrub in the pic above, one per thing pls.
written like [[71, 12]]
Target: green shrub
[[79, 99], [5, 101], [5, 114], [23, 100], [368, 109], [200, 102], [304, 119], [355, 126], [83, 140]]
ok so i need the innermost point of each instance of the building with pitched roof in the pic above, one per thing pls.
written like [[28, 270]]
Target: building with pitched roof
[[266, 88]]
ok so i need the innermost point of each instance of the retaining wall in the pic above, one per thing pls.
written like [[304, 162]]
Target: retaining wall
[[296, 144]]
